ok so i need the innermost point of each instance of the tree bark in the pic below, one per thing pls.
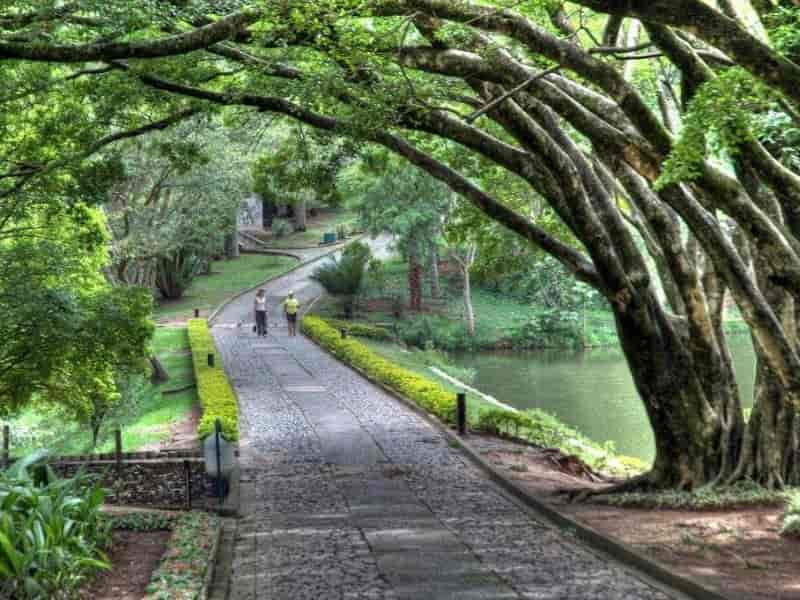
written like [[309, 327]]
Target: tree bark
[[433, 254], [414, 277], [300, 213], [159, 374]]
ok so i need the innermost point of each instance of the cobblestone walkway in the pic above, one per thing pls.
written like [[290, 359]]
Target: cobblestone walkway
[[346, 494]]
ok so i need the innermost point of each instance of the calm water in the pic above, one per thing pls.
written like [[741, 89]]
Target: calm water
[[590, 390]]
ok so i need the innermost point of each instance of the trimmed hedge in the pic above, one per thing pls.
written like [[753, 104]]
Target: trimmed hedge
[[373, 332], [429, 395], [216, 395], [535, 426]]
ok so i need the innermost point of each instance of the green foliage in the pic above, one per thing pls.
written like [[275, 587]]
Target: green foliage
[[718, 120], [143, 521], [536, 426], [215, 393], [67, 334], [705, 498], [360, 329], [181, 574], [344, 276], [52, 534], [424, 392], [281, 228], [790, 525]]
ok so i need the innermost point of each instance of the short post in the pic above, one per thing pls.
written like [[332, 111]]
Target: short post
[[187, 478], [461, 413], [217, 434], [118, 448], [196, 313], [344, 333], [210, 359], [6, 445]]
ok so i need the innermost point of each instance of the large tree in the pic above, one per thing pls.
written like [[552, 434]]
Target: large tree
[[540, 94]]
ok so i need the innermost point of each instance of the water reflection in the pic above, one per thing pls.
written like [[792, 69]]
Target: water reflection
[[591, 390]]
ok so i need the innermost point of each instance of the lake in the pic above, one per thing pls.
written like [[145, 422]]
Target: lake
[[591, 390]]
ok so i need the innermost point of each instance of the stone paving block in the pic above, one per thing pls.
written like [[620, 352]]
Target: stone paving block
[[349, 495]]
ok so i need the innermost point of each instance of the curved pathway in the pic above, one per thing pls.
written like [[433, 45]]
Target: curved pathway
[[347, 494]]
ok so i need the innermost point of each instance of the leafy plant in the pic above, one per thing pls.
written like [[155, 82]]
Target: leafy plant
[[344, 276], [281, 228], [52, 534]]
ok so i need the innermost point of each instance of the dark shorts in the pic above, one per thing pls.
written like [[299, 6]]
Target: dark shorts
[[292, 318]]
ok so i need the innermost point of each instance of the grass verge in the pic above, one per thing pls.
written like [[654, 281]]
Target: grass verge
[[228, 277]]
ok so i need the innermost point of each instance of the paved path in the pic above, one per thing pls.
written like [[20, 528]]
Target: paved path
[[348, 495]]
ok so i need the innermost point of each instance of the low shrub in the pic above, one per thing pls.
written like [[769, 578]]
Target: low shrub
[[790, 526], [705, 498], [181, 574], [215, 393], [365, 330], [52, 535], [427, 394], [281, 228]]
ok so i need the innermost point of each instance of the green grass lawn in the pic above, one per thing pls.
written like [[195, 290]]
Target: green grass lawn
[[327, 221], [146, 422], [227, 278]]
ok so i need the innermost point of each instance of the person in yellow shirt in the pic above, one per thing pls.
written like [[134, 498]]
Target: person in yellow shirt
[[290, 308]]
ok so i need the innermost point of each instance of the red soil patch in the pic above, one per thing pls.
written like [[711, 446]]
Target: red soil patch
[[738, 552]]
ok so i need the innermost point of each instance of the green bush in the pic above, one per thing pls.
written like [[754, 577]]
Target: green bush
[[52, 534], [365, 330], [216, 395], [281, 228], [429, 395], [182, 572]]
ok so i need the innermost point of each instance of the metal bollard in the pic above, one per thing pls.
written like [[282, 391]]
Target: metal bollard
[[210, 360], [187, 477], [461, 413], [6, 445], [344, 333], [196, 313]]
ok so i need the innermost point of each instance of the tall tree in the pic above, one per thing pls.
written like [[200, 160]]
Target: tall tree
[[461, 89]]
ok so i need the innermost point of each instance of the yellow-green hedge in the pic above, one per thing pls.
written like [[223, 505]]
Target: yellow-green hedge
[[217, 398], [428, 394]]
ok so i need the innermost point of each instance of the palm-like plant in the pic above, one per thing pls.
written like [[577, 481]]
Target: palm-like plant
[[344, 276]]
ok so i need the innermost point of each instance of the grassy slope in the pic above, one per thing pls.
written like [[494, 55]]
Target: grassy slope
[[147, 424], [227, 278]]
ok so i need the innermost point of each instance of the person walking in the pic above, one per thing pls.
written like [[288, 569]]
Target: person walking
[[261, 313], [290, 308]]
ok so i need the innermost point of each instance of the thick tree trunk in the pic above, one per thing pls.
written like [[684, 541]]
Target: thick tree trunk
[[686, 426], [268, 211], [300, 215], [434, 261], [158, 374], [232, 245], [414, 277]]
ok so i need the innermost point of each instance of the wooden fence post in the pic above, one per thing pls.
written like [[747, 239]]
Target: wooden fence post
[[118, 448], [187, 474]]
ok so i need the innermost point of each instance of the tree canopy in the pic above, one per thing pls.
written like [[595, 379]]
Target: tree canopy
[[647, 127]]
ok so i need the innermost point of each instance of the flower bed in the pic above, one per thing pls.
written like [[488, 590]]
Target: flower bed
[[216, 395], [184, 568]]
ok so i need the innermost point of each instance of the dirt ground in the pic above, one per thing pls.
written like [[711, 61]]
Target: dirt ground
[[182, 434], [737, 552], [134, 557]]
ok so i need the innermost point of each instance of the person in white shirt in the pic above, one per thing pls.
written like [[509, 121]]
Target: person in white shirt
[[261, 313]]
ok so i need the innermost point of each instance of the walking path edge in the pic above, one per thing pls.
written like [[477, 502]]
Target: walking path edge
[[623, 553]]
